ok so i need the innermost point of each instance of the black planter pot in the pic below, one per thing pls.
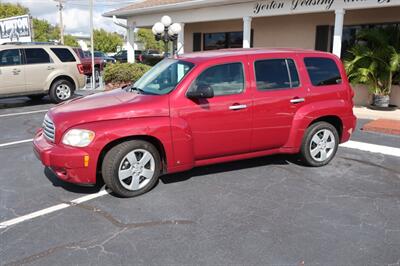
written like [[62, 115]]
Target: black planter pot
[[381, 100]]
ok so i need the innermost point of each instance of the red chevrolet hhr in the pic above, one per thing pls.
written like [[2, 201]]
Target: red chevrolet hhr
[[199, 109]]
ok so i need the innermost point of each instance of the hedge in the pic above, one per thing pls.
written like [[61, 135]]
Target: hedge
[[124, 72]]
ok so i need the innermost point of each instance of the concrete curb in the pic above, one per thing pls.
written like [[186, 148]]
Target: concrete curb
[[365, 113]]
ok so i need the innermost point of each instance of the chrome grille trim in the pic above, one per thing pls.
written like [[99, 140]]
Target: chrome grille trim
[[49, 130]]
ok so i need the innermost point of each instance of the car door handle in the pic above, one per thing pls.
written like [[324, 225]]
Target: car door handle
[[297, 100], [237, 107], [16, 71], [50, 68]]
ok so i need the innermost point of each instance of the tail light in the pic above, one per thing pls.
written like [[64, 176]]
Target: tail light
[[80, 68]]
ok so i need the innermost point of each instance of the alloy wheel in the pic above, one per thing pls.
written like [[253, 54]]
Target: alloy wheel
[[136, 169], [322, 145]]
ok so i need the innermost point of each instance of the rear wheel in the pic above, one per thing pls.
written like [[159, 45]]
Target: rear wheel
[[61, 90], [320, 144], [131, 168]]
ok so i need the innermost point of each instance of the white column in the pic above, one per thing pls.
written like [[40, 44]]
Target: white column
[[246, 32], [130, 42], [338, 32], [181, 40]]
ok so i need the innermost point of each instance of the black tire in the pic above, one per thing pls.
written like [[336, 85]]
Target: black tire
[[306, 146], [54, 97], [113, 160], [36, 97]]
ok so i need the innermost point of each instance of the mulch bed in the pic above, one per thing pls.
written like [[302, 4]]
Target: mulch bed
[[386, 126], [112, 86]]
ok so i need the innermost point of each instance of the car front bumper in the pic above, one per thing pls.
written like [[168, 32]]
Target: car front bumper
[[70, 164]]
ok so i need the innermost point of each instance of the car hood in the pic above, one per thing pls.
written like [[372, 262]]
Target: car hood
[[115, 104]]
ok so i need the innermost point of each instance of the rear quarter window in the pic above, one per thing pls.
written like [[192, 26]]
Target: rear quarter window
[[63, 54], [322, 71]]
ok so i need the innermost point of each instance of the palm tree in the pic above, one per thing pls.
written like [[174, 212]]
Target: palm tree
[[375, 61]]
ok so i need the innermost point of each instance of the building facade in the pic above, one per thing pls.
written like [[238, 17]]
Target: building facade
[[327, 25]]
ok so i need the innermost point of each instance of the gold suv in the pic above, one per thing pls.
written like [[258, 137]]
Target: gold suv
[[35, 70]]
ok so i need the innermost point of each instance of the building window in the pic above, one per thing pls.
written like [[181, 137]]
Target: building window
[[214, 41], [350, 34], [324, 35], [222, 40]]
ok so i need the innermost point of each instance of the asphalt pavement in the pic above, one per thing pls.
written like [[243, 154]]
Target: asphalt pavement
[[263, 211]]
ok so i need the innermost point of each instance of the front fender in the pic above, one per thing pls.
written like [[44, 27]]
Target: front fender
[[112, 130], [311, 112]]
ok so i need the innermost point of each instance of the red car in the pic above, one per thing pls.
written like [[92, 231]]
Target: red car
[[86, 61], [200, 109]]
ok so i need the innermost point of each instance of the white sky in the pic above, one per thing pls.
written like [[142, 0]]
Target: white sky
[[75, 14]]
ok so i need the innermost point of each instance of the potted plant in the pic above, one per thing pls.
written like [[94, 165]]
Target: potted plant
[[375, 61]]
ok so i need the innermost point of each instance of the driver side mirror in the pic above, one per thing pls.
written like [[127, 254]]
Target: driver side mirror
[[201, 92]]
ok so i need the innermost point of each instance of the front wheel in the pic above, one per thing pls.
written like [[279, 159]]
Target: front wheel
[[131, 168], [320, 144]]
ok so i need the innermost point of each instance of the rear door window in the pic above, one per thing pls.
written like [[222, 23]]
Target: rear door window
[[272, 74], [322, 71], [224, 79], [10, 57], [63, 54], [37, 56]]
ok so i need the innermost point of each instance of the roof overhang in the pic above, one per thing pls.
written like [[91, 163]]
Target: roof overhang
[[125, 13], [194, 11]]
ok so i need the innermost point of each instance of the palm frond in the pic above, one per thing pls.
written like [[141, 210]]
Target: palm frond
[[394, 61]]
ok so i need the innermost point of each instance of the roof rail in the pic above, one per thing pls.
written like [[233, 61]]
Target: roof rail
[[31, 43]]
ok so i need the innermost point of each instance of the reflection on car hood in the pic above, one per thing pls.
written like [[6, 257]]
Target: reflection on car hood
[[115, 104]]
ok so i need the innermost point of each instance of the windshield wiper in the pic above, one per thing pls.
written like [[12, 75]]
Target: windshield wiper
[[131, 88]]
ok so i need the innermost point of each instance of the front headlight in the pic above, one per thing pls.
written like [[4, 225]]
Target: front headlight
[[78, 137]]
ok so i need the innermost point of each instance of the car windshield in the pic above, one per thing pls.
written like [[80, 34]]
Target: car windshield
[[98, 54], [163, 77]]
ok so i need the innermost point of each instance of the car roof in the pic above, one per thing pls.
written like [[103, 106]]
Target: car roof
[[208, 55], [20, 46]]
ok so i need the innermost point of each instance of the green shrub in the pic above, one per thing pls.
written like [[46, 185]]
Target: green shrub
[[125, 72]]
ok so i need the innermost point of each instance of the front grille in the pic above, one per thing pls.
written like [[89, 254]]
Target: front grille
[[49, 129]]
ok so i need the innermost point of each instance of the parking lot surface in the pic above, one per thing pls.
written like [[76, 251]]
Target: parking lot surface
[[269, 210]]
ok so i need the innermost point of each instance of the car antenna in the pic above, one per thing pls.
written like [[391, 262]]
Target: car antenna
[[177, 51]]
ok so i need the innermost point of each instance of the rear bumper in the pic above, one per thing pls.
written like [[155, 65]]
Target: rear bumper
[[349, 125], [67, 163], [81, 81]]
